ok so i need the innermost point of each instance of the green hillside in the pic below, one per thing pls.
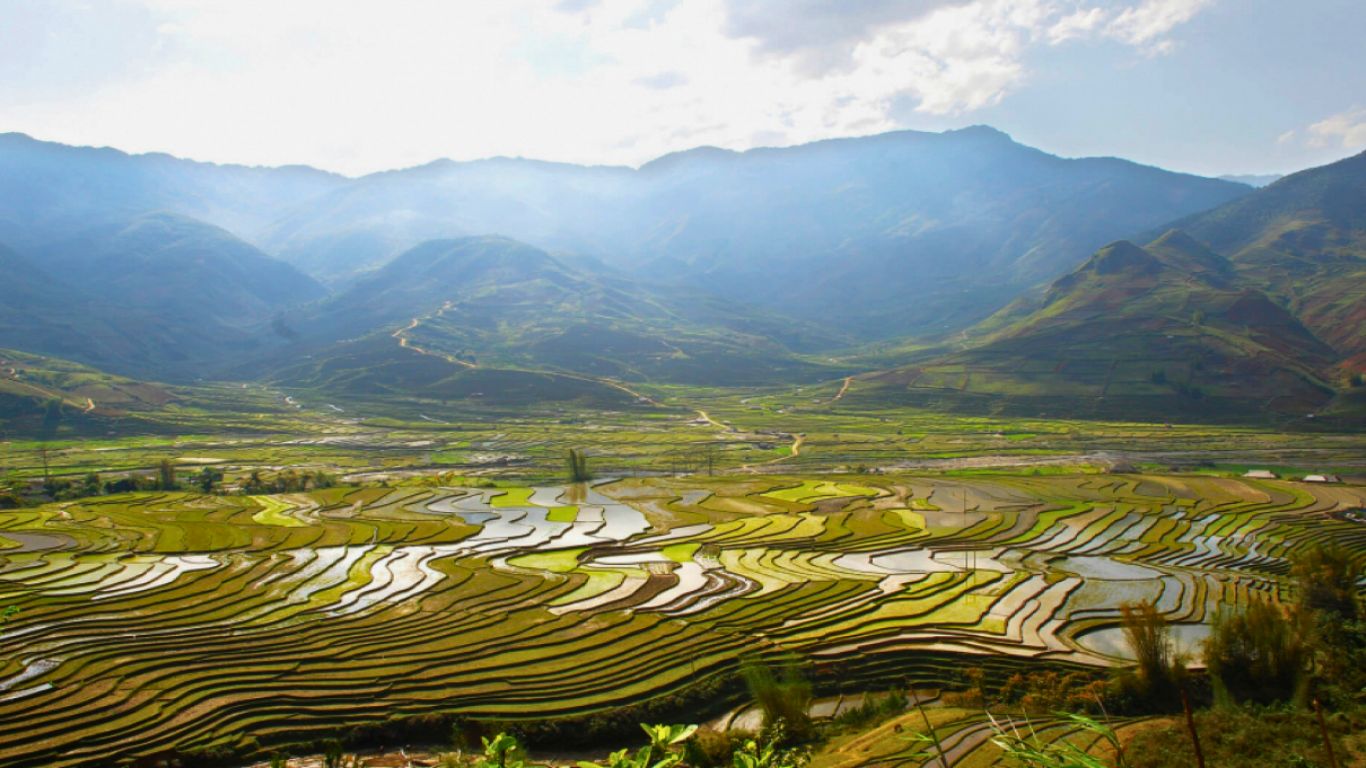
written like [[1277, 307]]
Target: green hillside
[[1161, 331], [492, 303], [88, 399], [1304, 239], [160, 296]]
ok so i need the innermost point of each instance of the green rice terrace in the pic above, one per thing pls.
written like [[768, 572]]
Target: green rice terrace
[[155, 623]]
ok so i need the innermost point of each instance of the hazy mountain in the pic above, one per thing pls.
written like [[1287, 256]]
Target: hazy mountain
[[185, 270], [25, 287], [703, 267], [927, 230], [163, 295], [51, 191], [494, 303], [1252, 179], [1135, 332]]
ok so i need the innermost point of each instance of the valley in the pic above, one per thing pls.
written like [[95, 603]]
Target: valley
[[937, 437]]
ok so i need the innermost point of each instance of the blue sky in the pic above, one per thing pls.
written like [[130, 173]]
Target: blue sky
[[1206, 86]]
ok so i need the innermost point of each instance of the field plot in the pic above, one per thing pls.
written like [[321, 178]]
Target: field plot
[[160, 621]]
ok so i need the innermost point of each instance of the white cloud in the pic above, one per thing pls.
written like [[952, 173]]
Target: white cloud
[[1148, 23], [1080, 23], [1345, 129], [361, 86]]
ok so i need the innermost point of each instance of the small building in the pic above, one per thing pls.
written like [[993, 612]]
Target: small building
[[1260, 474], [1321, 479]]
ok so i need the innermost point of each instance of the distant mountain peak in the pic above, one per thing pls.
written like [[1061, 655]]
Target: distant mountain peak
[[1123, 256], [696, 154], [982, 130]]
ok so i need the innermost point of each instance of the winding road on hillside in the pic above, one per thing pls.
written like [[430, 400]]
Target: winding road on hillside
[[704, 416], [403, 341], [795, 450], [843, 389]]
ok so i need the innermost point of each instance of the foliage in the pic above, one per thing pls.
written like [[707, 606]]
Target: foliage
[[1049, 690], [208, 479], [784, 696], [1257, 655], [1030, 751], [577, 463], [1245, 737], [710, 748], [502, 751], [664, 750], [1331, 613], [1326, 578], [1154, 682], [67, 490], [52, 419], [874, 708], [287, 481], [768, 751], [166, 475]]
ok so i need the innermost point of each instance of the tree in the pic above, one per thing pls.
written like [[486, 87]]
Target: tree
[[578, 466], [90, 486], [166, 475], [1331, 615], [207, 478], [1258, 655], [1155, 680], [784, 696], [1326, 578], [52, 420]]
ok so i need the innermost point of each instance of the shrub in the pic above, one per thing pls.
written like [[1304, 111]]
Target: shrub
[[577, 464], [1154, 682], [1257, 655], [710, 748], [1332, 617], [1244, 737], [1326, 579], [664, 750], [768, 752], [873, 709], [784, 696]]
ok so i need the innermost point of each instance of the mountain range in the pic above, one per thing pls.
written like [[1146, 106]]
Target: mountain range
[[1009, 279]]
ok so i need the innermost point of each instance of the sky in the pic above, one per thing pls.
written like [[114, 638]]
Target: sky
[[1203, 86]]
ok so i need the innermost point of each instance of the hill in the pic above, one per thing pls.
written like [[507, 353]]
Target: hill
[[1162, 331], [88, 398], [161, 295], [186, 270], [481, 304], [1304, 238]]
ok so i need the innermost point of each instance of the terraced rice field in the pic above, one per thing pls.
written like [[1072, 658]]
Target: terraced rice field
[[159, 621]]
